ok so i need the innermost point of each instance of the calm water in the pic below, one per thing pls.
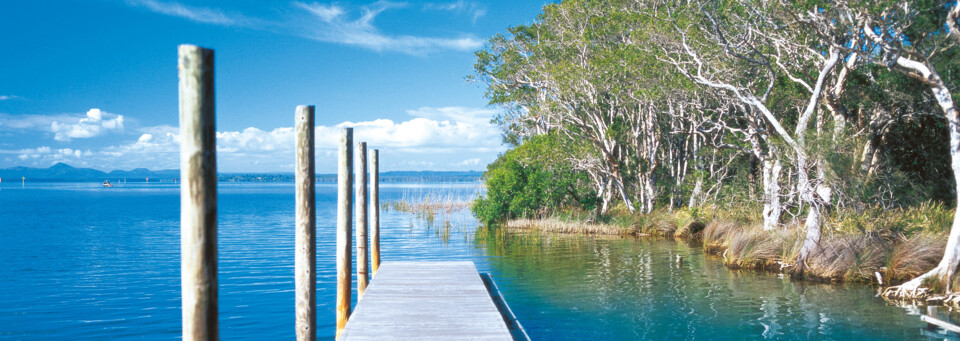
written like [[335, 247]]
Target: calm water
[[82, 262]]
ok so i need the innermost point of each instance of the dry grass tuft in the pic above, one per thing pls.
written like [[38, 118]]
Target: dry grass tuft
[[914, 256], [847, 258], [716, 234], [430, 202], [555, 225], [752, 248]]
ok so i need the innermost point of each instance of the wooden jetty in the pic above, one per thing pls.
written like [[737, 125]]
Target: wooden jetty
[[427, 301], [408, 300]]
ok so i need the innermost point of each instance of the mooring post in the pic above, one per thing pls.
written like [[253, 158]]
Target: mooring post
[[344, 211], [198, 194], [362, 260], [931, 312], [305, 261], [375, 202]]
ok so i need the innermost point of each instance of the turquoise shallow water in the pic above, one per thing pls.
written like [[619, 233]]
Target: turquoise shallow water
[[82, 262]]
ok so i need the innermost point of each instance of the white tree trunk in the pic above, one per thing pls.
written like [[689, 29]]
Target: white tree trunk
[[696, 193], [946, 270], [818, 197], [772, 209]]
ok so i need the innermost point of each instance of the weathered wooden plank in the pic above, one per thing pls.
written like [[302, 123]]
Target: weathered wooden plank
[[940, 323], [426, 301]]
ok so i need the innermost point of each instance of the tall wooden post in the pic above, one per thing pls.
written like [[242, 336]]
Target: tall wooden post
[[305, 263], [344, 211], [375, 202], [362, 263], [198, 194]]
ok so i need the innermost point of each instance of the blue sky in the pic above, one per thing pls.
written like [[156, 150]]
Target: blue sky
[[94, 83]]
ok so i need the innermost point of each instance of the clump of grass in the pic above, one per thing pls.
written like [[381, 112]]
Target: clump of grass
[[445, 202], [752, 248], [847, 258], [717, 233], [914, 256], [557, 225], [657, 223]]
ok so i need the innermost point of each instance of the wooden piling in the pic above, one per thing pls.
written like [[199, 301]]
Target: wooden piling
[[198, 194], [305, 262], [362, 261], [933, 321], [375, 214], [344, 211]]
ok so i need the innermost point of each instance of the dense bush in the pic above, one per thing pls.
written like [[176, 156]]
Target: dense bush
[[533, 180]]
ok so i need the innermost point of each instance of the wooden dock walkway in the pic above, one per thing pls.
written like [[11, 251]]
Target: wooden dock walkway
[[426, 301]]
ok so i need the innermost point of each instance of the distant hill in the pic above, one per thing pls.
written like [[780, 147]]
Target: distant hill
[[65, 172]]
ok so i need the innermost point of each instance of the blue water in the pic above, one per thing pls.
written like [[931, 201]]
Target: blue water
[[82, 262]]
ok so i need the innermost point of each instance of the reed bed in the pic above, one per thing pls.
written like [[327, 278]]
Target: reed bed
[[556, 225], [870, 245]]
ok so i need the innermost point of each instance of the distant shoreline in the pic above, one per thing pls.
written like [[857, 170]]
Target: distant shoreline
[[61, 172]]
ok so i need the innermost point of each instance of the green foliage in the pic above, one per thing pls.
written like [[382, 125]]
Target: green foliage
[[532, 180]]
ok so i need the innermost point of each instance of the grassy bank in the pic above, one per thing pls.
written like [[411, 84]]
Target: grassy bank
[[873, 245]]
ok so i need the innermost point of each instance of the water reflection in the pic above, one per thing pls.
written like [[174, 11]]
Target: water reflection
[[574, 288], [86, 263]]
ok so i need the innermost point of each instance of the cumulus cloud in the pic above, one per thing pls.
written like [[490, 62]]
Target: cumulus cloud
[[95, 122], [255, 140], [46, 154], [449, 134], [470, 162], [65, 127]]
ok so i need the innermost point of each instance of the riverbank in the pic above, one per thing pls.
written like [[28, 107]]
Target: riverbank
[[875, 246]]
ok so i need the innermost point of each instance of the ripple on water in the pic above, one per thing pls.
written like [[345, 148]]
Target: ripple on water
[[83, 263]]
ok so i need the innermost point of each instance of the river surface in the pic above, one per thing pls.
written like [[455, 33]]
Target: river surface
[[82, 262]]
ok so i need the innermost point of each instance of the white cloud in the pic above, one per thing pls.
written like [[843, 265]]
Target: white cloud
[[45, 153], [474, 10], [470, 162], [8, 97], [93, 124], [432, 136], [198, 14], [326, 12], [253, 140], [65, 127], [334, 26], [329, 23]]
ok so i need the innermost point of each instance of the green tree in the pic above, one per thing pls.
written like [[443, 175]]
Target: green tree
[[533, 180]]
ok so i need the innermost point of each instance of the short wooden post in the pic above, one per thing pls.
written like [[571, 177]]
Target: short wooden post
[[344, 233], [375, 202], [932, 313], [198, 194], [362, 262], [305, 262]]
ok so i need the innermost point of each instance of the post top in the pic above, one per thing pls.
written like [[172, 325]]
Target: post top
[[189, 47]]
